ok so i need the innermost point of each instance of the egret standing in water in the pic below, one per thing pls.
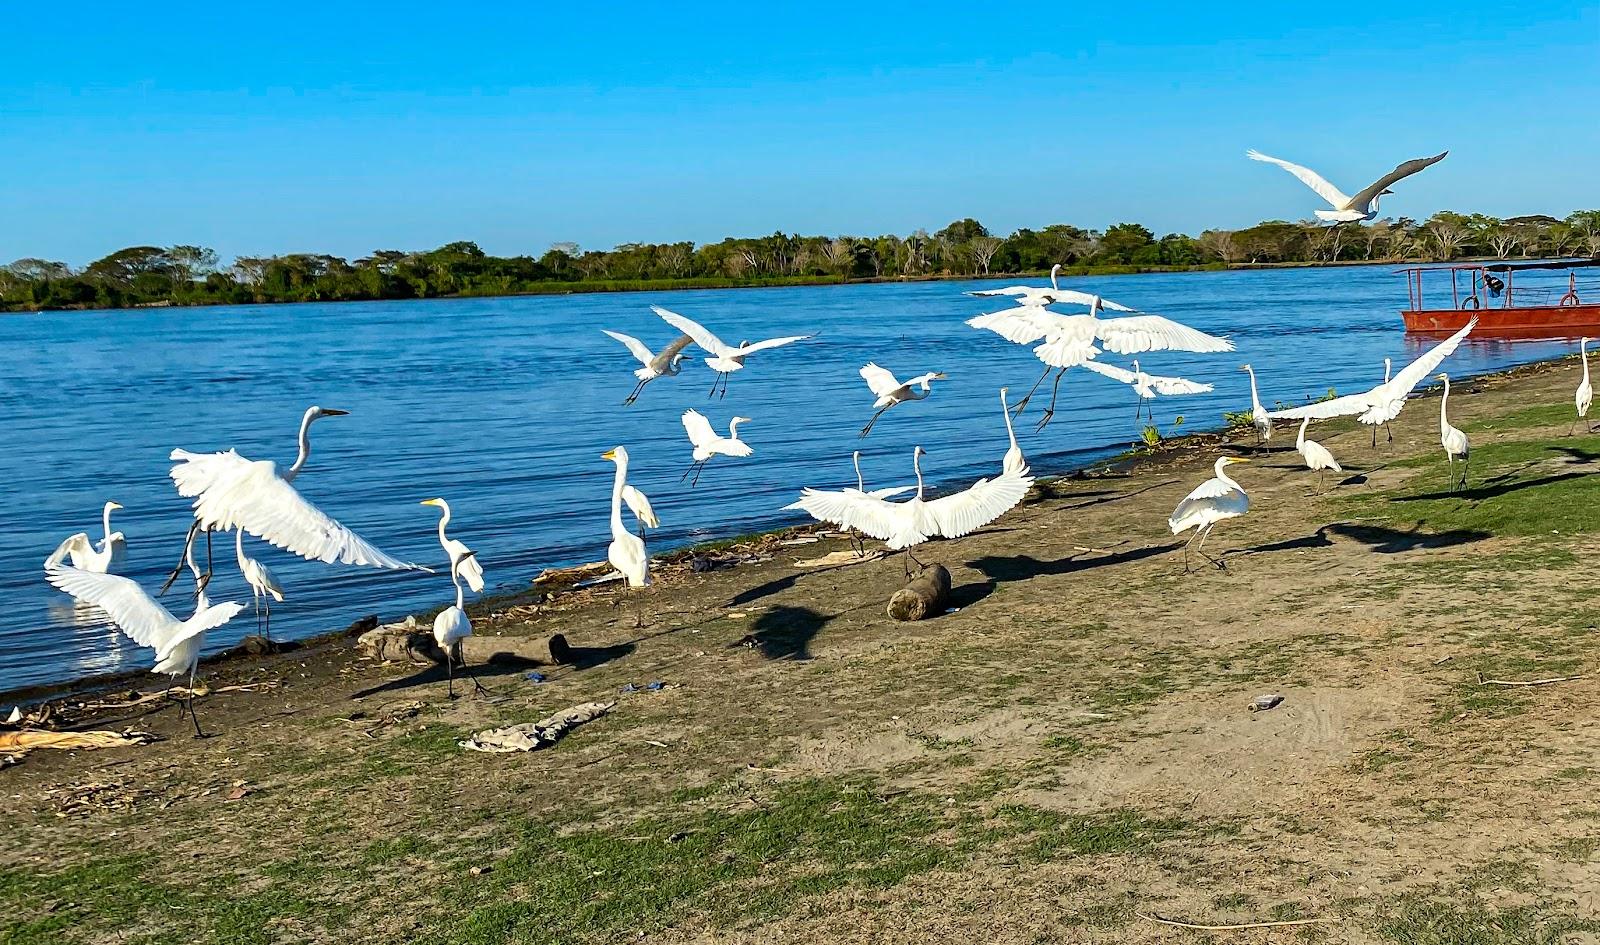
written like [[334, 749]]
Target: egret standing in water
[[1315, 454], [1453, 440], [1215, 500], [890, 391], [1585, 393], [85, 555], [452, 626], [1258, 414], [458, 553]]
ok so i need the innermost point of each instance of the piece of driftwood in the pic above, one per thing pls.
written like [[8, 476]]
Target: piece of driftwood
[[28, 740], [1283, 923], [1528, 682], [928, 595], [532, 736], [409, 636], [179, 692]]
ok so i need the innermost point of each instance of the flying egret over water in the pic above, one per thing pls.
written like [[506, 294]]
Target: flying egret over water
[[725, 358], [891, 392], [1030, 295], [1384, 402], [708, 443], [1147, 386], [1217, 499], [1363, 205], [458, 553], [452, 626], [666, 364], [231, 492], [1581, 399], [1453, 440], [86, 555], [1259, 418], [1315, 454]]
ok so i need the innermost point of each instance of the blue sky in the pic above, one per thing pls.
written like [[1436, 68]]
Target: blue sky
[[345, 127]]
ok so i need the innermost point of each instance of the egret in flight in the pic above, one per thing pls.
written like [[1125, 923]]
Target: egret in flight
[[1147, 386], [452, 626], [666, 364], [1384, 402], [707, 442], [85, 555], [456, 551], [231, 492], [1040, 296], [890, 391], [1353, 209], [1215, 500], [263, 586], [725, 358], [1259, 418], [1582, 399], [1315, 454], [1453, 440]]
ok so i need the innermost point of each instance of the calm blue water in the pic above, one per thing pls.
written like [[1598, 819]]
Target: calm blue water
[[503, 406]]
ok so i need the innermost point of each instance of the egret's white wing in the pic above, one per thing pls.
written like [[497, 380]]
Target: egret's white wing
[[1023, 325], [135, 612], [1346, 406], [1412, 374], [1399, 173], [238, 493], [77, 546], [210, 618], [1074, 297], [1212, 488], [1171, 386], [634, 345], [879, 380], [851, 508], [705, 339], [1018, 290], [1112, 371], [1308, 177], [1138, 333], [772, 343], [640, 506], [978, 504], [890, 492], [699, 428], [470, 569]]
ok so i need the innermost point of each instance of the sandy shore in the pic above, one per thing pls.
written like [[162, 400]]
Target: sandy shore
[[1067, 757]]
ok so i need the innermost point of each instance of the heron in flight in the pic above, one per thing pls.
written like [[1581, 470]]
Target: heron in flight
[[1147, 386], [890, 391], [665, 364], [725, 358], [1361, 206], [708, 443]]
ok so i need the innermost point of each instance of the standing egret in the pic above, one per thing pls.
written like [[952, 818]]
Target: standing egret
[[707, 442], [1259, 418], [1315, 454], [1384, 402], [85, 555], [1354, 209], [1585, 394], [231, 492], [452, 626], [263, 586], [725, 358], [626, 551], [146, 622], [1453, 440], [1147, 386], [1388, 368], [1014, 464], [1212, 501], [666, 364], [471, 569], [890, 391], [856, 543]]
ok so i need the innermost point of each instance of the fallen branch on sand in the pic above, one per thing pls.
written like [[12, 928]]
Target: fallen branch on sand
[[1231, 928], [28, 740], [179, 691], [1528, 682]]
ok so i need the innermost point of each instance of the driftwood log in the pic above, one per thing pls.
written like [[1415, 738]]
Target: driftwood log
[[928, 595], [552, 649]]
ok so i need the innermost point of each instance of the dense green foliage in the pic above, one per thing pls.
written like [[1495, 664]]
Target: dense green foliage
[[191, 275]]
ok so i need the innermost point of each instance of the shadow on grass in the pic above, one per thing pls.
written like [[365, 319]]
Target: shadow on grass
[[435, 675], [1492, 488], [1023, 567], [785, 633], [1390, 541]]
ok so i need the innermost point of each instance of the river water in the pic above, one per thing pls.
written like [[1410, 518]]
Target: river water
[[503, 406]]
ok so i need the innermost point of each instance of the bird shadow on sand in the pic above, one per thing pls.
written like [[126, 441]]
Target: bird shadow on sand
[[1109, 495], [1022, 567], [1492, 488], [1389, 541], [1576, 455], [784, 632], [434, 673], [1317, 539]]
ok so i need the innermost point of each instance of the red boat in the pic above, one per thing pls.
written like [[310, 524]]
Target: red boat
[[1534, 311]]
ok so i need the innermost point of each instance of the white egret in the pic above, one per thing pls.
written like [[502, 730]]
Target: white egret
[[1453, 440], [1259, 418], [1585, 393], [1384, 402], [1215, 500], [639, 504], [471, 569], [725, 358], [1363, 205], [1388, 370], [87, 556], [263, 586], [666, 364], [231, 492], [626, 551], [856, 543], [904, 525], [1040, 296], [890, 391], [707, 442], [1315, 454], [143, 620], [1014, 464], [452, 626], [1148, 386]]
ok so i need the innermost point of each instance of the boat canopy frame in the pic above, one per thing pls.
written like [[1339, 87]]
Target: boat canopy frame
[[1481, 285]]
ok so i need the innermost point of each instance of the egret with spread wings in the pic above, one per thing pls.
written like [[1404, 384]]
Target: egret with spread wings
[[725, 358], [85, 555], [708, 443], [1217, 499], [1363, 205], [666, 364], [856, 544], [890, 391], [1148, 386]]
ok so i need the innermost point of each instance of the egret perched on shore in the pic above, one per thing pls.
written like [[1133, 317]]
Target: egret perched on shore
[[856, 544], [144, 621], [725, 358], [1315, 454], [666, 364], [452, 626], [1363, 205], [1014, 464], [263, 586], [708, 443], [1384, 402], [456, 551], [231, 492], [86, 555], [1148, 386], [890, 391], [1217, 499], [1585, 393], [1259, 418], [626, 551], [1453, 440]]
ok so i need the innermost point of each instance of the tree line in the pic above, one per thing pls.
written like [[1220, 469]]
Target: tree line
[[193, 275]]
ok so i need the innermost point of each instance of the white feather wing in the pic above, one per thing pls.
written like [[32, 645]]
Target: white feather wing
[[639, 504], [1412, 374], [1172, 386], [1074, 297], [634, 345], [135, 612], [851, 508], [705, 339], [978, 504], [771, 343], [1112, 371], [699, 428], [1308, 177], [1346, 406], [1138, 333], [211, 618], [879, 380]]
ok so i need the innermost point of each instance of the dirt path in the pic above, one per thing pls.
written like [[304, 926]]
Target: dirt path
[[1064, 757]]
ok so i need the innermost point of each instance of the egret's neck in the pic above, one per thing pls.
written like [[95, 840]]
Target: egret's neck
[[1583, 349], [1005, 408], [616, 494], [1444, 402], [455, 578], [1223, 477], [443, 519], [733, 427], [1053, 284], [105, 516], [1300, 440], [305, 448], [916, 463], [1255, 398], [861, 485], [238, 547]]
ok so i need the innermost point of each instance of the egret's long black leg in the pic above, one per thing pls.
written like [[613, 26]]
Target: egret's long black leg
[[1017, 408], [637, 390], [183, 556], [868, 428], [1050, 411]]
